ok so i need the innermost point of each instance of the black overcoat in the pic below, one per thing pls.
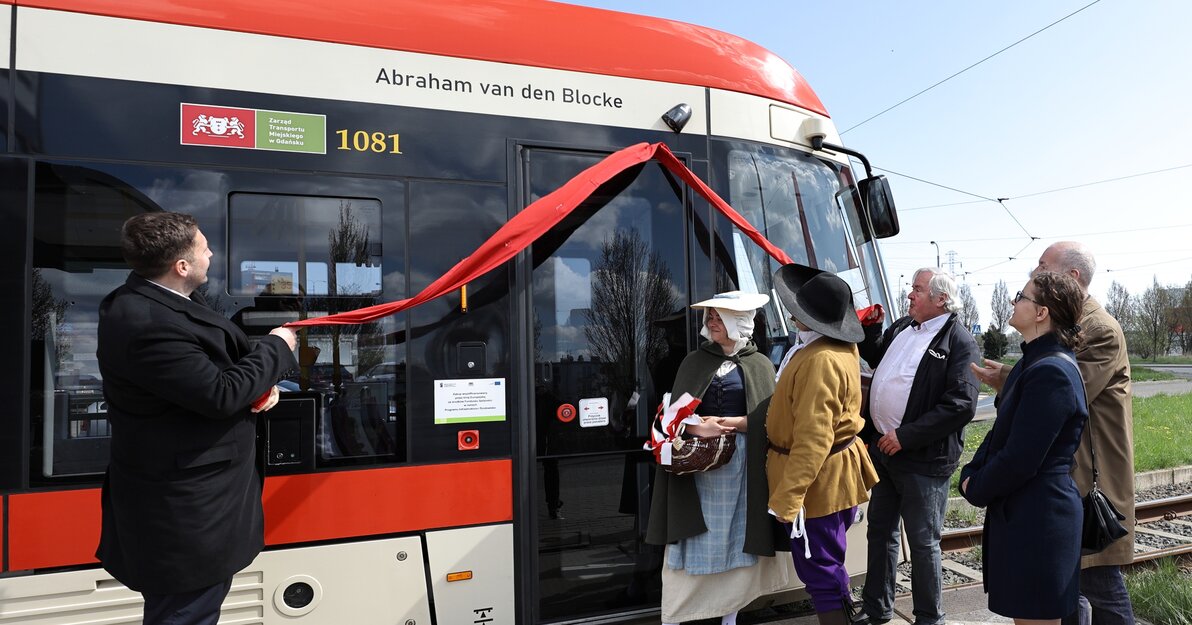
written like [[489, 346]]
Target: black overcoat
[[1021, 474], [182, 496], [942, 399]]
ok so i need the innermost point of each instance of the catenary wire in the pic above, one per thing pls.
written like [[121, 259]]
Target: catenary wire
[[1057, 190], [904, 101]]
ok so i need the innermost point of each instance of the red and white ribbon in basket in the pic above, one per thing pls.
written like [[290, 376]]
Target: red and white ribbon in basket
[[666, 425]]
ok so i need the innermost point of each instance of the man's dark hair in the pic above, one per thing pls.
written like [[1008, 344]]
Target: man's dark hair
[[153, 242], [1064, 299]]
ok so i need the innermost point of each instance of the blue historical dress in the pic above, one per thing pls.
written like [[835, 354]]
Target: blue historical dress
[[721, 494]]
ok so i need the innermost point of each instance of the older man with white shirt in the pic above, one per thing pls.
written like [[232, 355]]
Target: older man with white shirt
[[922, 395]]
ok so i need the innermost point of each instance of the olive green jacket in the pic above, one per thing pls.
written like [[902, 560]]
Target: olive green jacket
[[1106, 371], [675, 511]]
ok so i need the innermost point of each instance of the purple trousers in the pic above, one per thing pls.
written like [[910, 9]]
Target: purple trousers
[[824, 573]]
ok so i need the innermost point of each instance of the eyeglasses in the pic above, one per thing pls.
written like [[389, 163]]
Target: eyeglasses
[[1019, 296]]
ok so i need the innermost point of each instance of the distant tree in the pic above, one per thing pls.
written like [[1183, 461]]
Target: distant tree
[[995, 342], [903, 303], [1118, 304], [49, 312], [631, 286], [1000, 306], [969, 314], [1153, 321], [348, 242]]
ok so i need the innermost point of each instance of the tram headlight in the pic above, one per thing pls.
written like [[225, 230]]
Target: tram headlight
[[297, 596]]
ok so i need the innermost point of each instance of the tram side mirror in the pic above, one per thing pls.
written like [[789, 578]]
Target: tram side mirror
[[879, 202]]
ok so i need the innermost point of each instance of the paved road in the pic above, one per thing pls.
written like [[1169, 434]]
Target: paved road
[[1183, 371]]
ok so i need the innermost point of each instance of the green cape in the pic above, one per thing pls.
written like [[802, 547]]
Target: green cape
[[675, 511]]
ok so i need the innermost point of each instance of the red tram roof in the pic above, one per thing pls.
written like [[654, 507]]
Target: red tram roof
[[524, 32]]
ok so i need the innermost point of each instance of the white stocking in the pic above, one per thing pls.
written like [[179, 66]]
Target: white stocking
[[729, 619]]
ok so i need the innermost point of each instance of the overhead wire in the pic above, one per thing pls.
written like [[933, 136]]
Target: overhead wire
[[904, 101], [1037, 193], [1001, 200]]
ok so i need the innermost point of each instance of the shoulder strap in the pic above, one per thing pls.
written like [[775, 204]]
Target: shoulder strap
[[1092, 440], [1072, 361]]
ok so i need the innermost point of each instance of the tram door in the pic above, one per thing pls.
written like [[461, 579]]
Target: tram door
[[609, 294]]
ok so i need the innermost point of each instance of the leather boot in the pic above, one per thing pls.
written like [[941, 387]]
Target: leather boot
[[832, 617]]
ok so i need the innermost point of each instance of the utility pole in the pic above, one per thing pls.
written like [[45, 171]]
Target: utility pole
[[953, 263]]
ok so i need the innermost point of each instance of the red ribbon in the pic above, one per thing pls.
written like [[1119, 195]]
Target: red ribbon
[[671, 431], [537, 218], [869, 315]]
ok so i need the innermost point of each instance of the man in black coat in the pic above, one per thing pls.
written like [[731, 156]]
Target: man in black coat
[[182, 496], [922, 395]]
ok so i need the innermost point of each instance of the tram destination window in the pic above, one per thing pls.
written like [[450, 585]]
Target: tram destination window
[[285, 245]]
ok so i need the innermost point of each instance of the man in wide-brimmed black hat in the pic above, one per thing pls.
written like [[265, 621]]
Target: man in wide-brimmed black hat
[[819, 477], [922, 395]]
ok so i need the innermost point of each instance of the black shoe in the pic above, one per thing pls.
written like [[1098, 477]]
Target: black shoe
[[855, 616]]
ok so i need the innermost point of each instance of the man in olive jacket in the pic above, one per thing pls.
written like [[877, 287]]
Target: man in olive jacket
[[182, 497], [1105, 367], [922, 395]]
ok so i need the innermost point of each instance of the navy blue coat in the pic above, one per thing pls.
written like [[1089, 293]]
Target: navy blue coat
[[1021, 473]]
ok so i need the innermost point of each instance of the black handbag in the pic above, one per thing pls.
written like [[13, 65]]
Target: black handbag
[[1102, 522]]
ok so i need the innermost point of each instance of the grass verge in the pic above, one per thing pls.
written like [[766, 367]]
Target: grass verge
[[1160, 426], [974, 433], [1142, 374], [1162, 360], [1161, 594]]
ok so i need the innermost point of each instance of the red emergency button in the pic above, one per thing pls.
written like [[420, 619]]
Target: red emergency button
[[566, 413]]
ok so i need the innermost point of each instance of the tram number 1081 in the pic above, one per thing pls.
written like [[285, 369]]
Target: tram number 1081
[[365, 141]]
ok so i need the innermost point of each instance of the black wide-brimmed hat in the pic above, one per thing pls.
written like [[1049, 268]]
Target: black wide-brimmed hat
[[821, 300]]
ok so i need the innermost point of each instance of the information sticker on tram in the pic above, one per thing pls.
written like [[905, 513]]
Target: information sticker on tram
[[593, 412], [471, 400]]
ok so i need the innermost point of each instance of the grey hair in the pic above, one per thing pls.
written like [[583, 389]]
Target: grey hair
[[1076, 256], [942, 283]]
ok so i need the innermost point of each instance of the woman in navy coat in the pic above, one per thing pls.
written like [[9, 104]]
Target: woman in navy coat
[[1021, 472]]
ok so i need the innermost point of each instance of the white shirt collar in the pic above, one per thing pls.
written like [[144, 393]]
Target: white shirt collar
[[934, 324], [178, 293], [806, 337]]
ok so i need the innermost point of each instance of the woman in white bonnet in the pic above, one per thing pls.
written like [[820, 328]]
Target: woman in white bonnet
[[720, 539]]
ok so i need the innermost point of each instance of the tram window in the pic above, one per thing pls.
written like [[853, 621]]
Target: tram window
[[301, 245], [803, 206], [78, 212], [609, 296]]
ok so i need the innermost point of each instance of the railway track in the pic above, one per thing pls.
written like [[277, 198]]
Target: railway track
[[1164, 529]]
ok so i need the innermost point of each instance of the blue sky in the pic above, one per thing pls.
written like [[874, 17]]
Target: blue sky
[[1103, 94]]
